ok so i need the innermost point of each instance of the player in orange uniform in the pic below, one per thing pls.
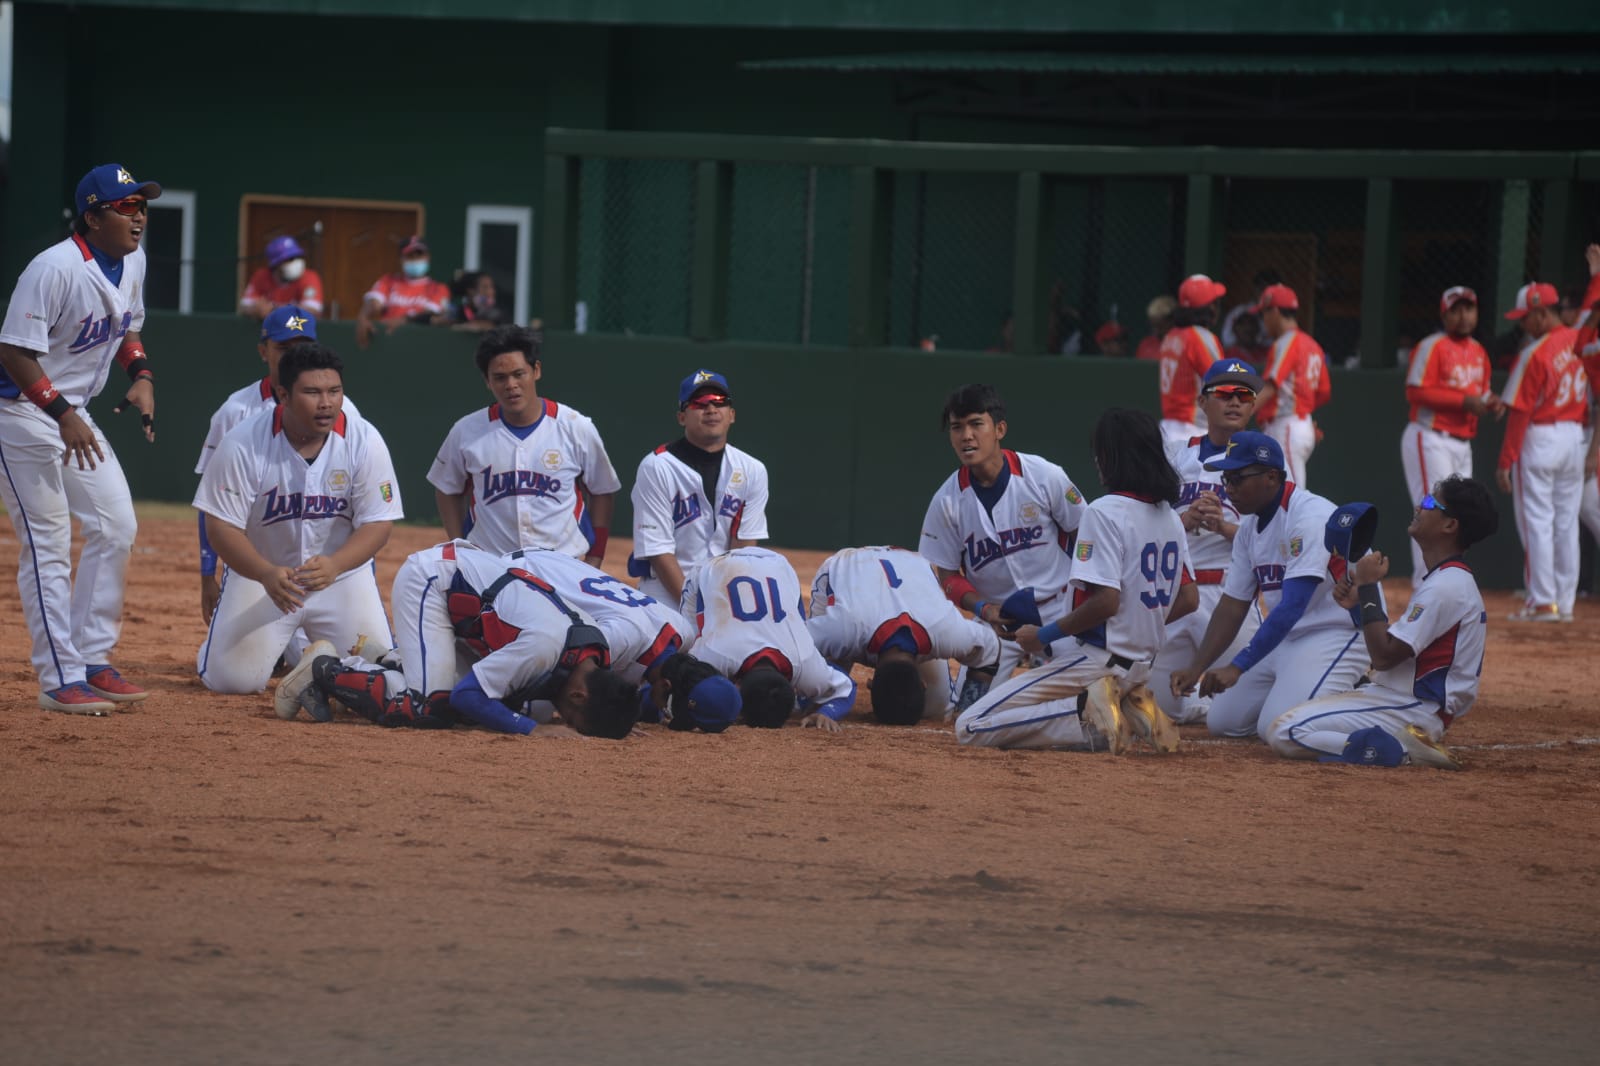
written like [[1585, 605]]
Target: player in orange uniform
[[1187, 352], [1447, 387], [1542, 459], [408, 296], [1297, 381]]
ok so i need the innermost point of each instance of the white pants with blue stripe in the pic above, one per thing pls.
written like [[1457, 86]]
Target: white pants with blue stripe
[[422, 630], [1322, 726], [1305, 665], [1039, 708]]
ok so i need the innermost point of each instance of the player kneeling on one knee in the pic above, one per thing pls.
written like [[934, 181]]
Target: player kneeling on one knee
[[1425, 666], [1131, 576]]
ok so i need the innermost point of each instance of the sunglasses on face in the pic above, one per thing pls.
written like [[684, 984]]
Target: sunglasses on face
[[1234, 478], [1430, 504], [1233, 392], [700, 403], [132, 205]]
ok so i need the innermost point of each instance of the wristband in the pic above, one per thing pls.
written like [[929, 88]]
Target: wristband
[[1371, 612], [131, 358], [977, 609], [956, 587], [1051, 633], [602, 536], [1368, 599], [48, 400]]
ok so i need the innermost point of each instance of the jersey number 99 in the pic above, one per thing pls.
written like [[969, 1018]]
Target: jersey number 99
[[1159, 562]]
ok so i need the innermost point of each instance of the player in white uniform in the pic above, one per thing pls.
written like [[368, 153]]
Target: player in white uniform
[[1425, 666], [1000, 525], [696, 497], [515, 474], [1131, 578], [77, 305], [1227, 399], [747, 608], [1305, 647], [883, 607], [298, 500]]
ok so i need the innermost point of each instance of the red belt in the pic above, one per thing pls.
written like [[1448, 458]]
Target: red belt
[[1209, 577]]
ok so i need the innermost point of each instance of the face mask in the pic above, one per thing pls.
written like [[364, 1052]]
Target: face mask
[[292, 270], [416, 268]]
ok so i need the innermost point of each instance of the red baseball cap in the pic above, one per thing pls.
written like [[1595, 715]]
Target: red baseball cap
[[1456, 294], [413, 246], [1198, 290], [1279, 296], [1534, 294], [1109, 331]]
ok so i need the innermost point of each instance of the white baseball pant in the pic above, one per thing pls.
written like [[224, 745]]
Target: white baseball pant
[[1428, 457], [1306, 665], [1297, 436], [1039, 708], [1184, 638], [72, 624], [422, 630], [1322, 726], [1546, 489]]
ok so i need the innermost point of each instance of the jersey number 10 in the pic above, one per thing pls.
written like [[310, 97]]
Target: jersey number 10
[[743, 589]]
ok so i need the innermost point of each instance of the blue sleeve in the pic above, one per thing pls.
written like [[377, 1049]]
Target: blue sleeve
[[208, 558], [1296, 594], [478, 707], [839, 706]]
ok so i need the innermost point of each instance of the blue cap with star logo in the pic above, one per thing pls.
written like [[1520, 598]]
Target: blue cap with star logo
[[1248, 448], [1231, 372], [701, 381], [288, 323], [110, 182]]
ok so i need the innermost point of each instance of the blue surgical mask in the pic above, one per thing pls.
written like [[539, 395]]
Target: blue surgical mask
[[416, 268]]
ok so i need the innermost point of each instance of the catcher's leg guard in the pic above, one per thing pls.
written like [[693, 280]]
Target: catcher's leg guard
[[431, 712], [364, 692]]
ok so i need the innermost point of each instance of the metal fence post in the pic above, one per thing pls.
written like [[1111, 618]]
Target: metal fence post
[[713, 211], [1029, 300], [558, 275], [1202, 228], [1559, 245], [1513, 253], [871, 193], [1378, 277]]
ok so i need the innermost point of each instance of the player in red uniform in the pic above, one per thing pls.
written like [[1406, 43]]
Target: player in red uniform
[[284, 280], [1187, 352], [408, 296], [1297, 381]]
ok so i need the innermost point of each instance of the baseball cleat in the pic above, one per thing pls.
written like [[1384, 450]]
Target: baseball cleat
[[1100, 710], [106, 683], [1548, 612], [1147, 720], [292, 688], [1423, 751], [77, 698], [316, 704]]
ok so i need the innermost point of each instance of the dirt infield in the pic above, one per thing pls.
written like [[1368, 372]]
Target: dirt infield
[[198, 882]]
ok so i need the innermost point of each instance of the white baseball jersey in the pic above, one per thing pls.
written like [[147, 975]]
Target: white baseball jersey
[[1446, 625], [66, 309], [528, 642], [1292, 545], [747, 609], [526, 492], [291, 509], [241, 404], [1138, 547], [1026, 540], [672, 516], [640, 630], [863, 596], [1208, 550]]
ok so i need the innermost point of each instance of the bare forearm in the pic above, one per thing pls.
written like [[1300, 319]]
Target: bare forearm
[[452, 513], [601, 508], [233, 547], [1225, 622], [1385, 650], [21, 365], [669, 573], [363, 544]]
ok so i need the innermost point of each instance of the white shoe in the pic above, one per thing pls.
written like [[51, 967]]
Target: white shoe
[[292, 687], [1547, 612], [1101, 711], [1422, 751]]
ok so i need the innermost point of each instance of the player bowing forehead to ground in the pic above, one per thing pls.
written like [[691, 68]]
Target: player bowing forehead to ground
[[883, 607], [298, 499], [524, 472], [1130, 579], [1000, 525], [76, 306], [1425, 666]]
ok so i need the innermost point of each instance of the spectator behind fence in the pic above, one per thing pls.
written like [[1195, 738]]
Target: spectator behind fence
[[1111, 339], [1159, 313], [1263, 280], [283, 281], [474, 302], [1248, 347], [407, 296]]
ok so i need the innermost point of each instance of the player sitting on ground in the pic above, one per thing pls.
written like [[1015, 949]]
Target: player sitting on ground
[[1001, 524], [1130, 578], [1425, 666], [298, 499], [747, 608], [882, 607]]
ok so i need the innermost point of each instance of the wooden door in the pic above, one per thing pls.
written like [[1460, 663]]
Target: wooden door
[[351, 243]]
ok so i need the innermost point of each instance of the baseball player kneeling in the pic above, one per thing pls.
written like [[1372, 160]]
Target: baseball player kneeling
[[1425, 666], [1130, 578], [298, 499]]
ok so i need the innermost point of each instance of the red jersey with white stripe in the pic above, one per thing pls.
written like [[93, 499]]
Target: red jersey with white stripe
[[526, 492], [403, 297], [1186, 354], [1446, 626], [1444, 371], [1023, 542], [1548, 381], [862, 597], [1138, 547], [1291, 545], [1209, 551], [241, 404], [265, 290], [1299, 370], [289, 508]]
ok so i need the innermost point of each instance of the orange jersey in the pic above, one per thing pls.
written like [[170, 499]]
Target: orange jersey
[[1297, 368], [1589, 332], [1186, 354], [1548, 382], [265, 289], [1444, 372], [403, 297]]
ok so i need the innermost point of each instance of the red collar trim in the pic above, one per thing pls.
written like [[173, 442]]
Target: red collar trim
[[277, 420], [1013, 462], [266, 388], [1288, 490], [83, 246], [1136, 496], [494, 412]]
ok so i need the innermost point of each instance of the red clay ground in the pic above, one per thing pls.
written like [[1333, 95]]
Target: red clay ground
[[198, 882]]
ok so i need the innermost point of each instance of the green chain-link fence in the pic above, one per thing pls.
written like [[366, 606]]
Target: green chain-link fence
[[636, 217]]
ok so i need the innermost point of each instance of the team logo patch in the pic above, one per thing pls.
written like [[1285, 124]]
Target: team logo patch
[[552, 460], [123, 177], [736, 478], [386, 490], [1296, 545], [1085, 549], [296, 323], [1346, 520], [1415, 613], [1073, 495], [338, 480], [1030, 513]]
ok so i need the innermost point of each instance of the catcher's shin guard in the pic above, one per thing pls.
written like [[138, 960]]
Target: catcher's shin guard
[[366, 692]]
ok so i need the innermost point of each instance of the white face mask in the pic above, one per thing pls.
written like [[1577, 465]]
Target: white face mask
[[292, 270]]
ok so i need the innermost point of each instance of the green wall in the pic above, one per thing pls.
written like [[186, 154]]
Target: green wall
[[851, 439]]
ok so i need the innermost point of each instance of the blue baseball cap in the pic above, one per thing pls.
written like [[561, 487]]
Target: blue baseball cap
[[714, 704], [701, 381], [288, 323], [1370, 747], [283, 249], [1248, 448], [1351, 530], [111, 182], [1232, 372]]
